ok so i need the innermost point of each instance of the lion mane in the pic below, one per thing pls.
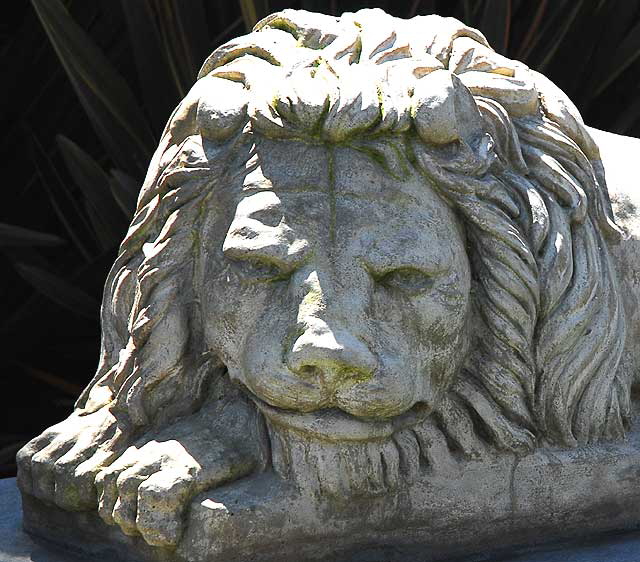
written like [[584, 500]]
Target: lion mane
[[502, 145]]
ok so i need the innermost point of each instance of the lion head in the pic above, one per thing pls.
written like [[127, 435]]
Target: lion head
[[387, 235]]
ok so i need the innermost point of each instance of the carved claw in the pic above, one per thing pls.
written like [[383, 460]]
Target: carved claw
[[146, 491], [59, 466]]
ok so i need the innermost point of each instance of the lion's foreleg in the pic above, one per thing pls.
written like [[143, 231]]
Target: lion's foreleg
[[148, 488]]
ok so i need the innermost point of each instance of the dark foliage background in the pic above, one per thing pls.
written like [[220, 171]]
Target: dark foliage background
[[86, 90]]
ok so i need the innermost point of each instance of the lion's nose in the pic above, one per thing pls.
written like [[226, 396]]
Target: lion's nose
[[330, 357]]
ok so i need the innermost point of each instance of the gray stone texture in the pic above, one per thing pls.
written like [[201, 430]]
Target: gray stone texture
[[619, 157], [18, 546], [376, 294]]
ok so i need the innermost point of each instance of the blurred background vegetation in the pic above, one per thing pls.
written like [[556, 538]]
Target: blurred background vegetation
[[87, 89]]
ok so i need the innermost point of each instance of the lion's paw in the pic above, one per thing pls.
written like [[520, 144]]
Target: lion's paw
[[147, 489], [59, 466]]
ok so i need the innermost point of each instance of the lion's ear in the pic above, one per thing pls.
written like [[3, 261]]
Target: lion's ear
[[444, 110]]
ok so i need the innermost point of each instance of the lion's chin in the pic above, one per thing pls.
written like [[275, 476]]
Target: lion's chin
[[335, 425]]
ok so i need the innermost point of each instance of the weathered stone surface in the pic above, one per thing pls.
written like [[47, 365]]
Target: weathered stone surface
[[620, 156], [475, 507], [374, 293], [17, 546]]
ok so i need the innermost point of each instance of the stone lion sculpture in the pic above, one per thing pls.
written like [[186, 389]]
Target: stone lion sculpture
[[366, 247]]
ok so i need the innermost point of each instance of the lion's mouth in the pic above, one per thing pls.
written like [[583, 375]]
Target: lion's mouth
[[333, 424]]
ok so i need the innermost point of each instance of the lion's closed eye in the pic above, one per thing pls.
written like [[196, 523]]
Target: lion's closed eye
[[407, 280]]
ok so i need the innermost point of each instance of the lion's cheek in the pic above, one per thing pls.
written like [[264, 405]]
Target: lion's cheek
[[426, 339], [238, 318]]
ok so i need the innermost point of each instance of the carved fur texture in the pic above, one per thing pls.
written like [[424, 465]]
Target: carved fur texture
[[502, 144], [499, 143]]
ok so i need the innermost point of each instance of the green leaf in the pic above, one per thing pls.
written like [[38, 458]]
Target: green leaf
[[50, 379], [185, 39], [59, 290], [614, 16], [315, 5], [550, 17], [627, 52], [105, 96], [249, 13], [496, 23], [107, 218], [13, 235], [530, 32], [421, 7], [59, 195], [159, 90], [467, 12], [627, 118], [562, 30], [125, 191], [88, 276]]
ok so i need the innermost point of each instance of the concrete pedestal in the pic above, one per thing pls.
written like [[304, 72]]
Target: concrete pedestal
[[18, 546], [481, 513]]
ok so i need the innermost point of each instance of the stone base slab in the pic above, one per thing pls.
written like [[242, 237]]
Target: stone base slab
[[483, 506]]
